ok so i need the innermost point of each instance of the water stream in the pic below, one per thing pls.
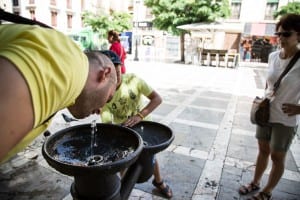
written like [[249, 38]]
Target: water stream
[[93, 136]]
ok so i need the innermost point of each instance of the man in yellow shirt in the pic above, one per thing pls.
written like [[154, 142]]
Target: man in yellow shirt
[[41, 72]]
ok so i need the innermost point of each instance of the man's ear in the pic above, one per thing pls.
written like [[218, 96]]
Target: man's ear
[[103, 74]]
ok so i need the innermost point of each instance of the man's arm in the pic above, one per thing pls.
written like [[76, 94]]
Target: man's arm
[[16, 110]]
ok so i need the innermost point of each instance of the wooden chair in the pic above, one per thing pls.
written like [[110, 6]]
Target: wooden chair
[[233, 57]]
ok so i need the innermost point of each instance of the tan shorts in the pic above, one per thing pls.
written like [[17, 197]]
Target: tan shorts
[[279, 136]]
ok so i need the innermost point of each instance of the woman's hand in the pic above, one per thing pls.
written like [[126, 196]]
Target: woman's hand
[[291, 109], [131, 121]]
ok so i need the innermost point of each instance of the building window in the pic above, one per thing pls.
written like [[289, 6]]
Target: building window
[[54, 18], [15, 2], [235, 9], [149, 14], [31, 1], [272, 6], [69, 4], [82, 5], [53, 2], [69, 20], [32, 14]]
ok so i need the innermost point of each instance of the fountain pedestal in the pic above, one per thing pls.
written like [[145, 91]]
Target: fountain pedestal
[[106, 186]]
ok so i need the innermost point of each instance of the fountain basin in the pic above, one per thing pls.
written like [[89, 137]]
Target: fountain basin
[[69, 150], [156, 136]]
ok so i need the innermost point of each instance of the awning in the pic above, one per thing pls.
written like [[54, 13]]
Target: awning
[[259, 29], [212, 27]]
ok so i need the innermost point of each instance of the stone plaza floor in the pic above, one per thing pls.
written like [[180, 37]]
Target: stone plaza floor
[[213, 152]]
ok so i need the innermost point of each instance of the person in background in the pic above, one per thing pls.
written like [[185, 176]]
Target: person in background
[[116, 46], [127, 108], [247, 44], [275, 140], [43, 71]]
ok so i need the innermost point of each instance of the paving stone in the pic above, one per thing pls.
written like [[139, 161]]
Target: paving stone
[[33, 182], [195, 137], [289, 187], [216, 94], [182, 150], [244, 99], [244, 106], [174, 98], [226, 192], [243, 147], [180, 172], [199, 154], [243, 122], [179, 91], [18, 162], [31, 155], [209, 181], [201, 115], [213, 103], [277, 195], [290, 162], [164, 109], [230, 178]]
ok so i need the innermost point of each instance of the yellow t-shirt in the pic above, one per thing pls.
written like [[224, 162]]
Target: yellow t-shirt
[[53, 66]]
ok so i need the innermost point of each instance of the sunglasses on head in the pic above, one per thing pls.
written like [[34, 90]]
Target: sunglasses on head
[[284, 34]]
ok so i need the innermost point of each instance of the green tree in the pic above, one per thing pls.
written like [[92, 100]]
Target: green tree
[[118, 21], [291, 7], [97, 26], [121, 21], [98, 23], [172, 13]]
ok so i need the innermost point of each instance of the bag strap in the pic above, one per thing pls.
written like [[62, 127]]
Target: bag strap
[[18, 19], [286, 70]]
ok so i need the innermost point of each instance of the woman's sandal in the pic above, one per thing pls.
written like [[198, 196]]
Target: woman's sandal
[[166, 191], [261, 196], [246, 189]]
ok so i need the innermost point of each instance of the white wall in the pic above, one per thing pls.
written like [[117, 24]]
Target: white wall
[[6, 5], [253, 10]]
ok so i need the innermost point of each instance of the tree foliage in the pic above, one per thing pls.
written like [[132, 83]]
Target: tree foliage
[[172, 13], [291, 7], [121, 21], [168, 14], [118, 21]]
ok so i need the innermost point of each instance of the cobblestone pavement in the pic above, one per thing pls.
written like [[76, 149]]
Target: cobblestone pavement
[[213, 152]]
